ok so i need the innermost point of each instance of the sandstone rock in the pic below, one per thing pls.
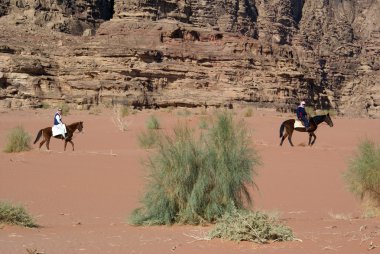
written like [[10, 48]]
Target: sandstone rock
[[180, 53]]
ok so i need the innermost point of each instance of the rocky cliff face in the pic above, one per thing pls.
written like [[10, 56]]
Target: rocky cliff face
[[68, 16], [191, 53]]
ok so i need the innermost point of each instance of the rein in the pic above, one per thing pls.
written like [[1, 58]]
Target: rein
[[320, 119], [74, 126]]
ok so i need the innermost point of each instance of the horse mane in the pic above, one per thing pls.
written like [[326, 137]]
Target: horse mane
[[318, 118], [76, 123]]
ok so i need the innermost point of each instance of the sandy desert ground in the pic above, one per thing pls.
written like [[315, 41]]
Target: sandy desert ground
[[81, 199]]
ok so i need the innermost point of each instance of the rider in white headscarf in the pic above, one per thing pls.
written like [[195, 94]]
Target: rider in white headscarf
[[302, 115], [58, 124]]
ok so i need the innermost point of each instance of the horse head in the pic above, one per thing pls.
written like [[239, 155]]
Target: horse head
[[328, 120], [80, 126]]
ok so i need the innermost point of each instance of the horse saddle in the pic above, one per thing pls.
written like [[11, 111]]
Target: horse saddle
[[298, 124], [58, 130]]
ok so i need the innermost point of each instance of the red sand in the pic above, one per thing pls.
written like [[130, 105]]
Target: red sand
[[82, 199]]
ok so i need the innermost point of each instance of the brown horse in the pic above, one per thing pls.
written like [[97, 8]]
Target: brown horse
[[47, 134], [314, 121]]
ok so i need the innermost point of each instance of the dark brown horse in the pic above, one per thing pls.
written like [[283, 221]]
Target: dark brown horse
[[288, 125], [47, 134]]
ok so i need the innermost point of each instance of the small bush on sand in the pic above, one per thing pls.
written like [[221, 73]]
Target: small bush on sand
[[203, 123], [10, 214], [195, 181], [18, 141], [250, 226], [45, 105], [248, 112], [118, 119], [310, 111], [65, 109], [95, 110], [153, 123], [363, 174], [148, 139], [184, 112], [124, 111]]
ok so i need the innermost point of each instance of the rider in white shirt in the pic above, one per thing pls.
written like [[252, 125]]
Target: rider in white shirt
[[58, 124]]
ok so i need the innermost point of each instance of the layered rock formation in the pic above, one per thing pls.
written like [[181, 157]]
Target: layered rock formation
[[191, 53]]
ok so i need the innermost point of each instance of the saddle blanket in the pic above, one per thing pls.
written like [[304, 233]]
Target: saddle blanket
[[59, 129], [298, 124]]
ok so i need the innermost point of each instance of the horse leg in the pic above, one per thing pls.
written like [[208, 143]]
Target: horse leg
[[41, 143], [64, 148], [48, 143], [283, 138], [310, 136], [290, 138], [315, 137], [72, 144]]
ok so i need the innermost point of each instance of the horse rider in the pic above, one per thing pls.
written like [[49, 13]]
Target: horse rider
[[302, 115], [58, 124]]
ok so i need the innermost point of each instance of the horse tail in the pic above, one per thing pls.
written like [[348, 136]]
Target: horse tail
[[282, 130], [39, 134]]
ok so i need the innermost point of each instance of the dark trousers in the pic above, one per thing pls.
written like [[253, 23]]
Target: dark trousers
[[305, 121]]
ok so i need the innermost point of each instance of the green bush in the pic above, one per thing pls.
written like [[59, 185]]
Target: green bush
[[363, 174], [17, 215], [149, 138], [153, 123], [196, 181], [95, 111], [203, 123], [310, 111], [250, 226], [248, 112], [184, 112], [18, 141], [45, 105], [124, 111], [65, 109]]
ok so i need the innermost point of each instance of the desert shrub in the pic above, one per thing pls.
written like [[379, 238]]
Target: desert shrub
[[331, 112], [45, 105], [196, 180], [184, 112], [250, 226], [95, 111], [118, 119], [203, 123], [169, 109], [363, 174], [310, 111], [124, 111], [149, 138], [248, 112], [153, 123], [203, 112], [65, 109], [18, 141], [17, 215]]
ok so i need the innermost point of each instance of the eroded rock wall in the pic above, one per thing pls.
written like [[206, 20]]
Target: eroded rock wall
[[192, 53], [68, 16]]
